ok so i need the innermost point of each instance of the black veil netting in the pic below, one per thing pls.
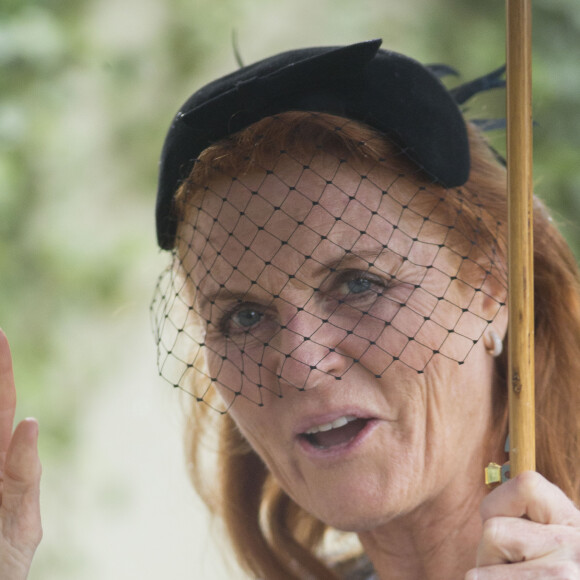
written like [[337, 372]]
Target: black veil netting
[[314, 261], [320, 222]]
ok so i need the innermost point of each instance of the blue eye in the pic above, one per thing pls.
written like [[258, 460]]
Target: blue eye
[[247, 318], [359, 285]]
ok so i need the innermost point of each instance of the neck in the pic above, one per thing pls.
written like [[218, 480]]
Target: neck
[[436, 542]]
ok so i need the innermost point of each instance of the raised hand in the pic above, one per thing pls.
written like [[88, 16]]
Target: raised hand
[[20, 527], [531, 532]]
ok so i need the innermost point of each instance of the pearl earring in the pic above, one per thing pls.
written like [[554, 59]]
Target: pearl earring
[[493, 343]]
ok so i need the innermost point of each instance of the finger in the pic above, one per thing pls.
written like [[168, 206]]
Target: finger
[[22, 466], [553, 569], [20, 509], [20, 524], [530, 495], [508, 540], [7, 397], [20, 497]]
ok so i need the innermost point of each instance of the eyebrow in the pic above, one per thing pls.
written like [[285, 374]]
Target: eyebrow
[[349, 258], [366, 257], [222, 295]]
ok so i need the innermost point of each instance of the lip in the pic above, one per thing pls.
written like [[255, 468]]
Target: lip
[[309, 422], [342, 449]]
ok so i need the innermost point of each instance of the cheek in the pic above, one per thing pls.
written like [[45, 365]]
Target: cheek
[[248, 374], [261, 428], [459, 402], [231, 383]]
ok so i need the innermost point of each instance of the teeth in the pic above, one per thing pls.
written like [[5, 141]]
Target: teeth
[[340, 422]]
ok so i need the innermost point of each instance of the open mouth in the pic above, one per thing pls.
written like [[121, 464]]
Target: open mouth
[[339, 432]]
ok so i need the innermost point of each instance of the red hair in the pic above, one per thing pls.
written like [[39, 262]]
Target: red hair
[[271, 535]]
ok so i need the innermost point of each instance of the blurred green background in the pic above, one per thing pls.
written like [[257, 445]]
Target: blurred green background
[[87, 90]]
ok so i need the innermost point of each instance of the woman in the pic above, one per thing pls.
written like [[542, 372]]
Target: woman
[[338, 294]]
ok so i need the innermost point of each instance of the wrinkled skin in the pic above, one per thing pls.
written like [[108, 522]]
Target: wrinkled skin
[[531, 530], [417, 499], [20, 527]]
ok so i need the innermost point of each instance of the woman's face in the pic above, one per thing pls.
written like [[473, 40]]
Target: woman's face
[[336, 315]]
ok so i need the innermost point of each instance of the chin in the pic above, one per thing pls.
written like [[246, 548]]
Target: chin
[[358, 522], [357, 510]]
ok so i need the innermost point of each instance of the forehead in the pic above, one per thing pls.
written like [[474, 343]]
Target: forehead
[[323, 206]]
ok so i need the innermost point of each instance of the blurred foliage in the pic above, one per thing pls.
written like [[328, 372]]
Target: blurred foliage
[[87, 89]]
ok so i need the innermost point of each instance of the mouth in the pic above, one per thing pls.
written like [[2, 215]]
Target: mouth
[[338, 433]]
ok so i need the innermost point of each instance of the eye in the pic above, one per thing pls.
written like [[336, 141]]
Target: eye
[[247, 317], [359, 285], [242, 318]]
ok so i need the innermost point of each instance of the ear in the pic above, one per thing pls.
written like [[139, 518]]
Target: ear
[[496, 312], [490, 299]]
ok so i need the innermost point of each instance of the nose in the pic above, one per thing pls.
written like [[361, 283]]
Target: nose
[[310, 350]]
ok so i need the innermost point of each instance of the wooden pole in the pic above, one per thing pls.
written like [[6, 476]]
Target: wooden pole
[[520, 237]]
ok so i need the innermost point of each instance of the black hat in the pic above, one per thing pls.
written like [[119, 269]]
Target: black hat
[[388, 91]]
